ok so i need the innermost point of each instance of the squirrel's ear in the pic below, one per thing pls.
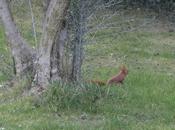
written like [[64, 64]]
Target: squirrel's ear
[[122, 67]]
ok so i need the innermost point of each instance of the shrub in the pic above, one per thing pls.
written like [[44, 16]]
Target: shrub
[[82, 97]]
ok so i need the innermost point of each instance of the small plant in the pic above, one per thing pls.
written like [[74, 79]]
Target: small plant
[[83, 97]]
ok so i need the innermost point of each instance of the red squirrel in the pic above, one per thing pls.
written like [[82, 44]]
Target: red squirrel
[[119, 78]]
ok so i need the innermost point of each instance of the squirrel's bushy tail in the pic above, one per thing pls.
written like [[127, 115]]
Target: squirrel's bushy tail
[[97, 82]]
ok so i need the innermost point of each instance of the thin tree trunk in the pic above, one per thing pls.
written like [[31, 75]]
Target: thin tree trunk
[[23, 54], [33, 22], [78, 41], [57, 54]]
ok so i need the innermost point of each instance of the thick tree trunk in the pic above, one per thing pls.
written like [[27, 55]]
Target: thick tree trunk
[[52, 27], [54, 35], [23, 55]]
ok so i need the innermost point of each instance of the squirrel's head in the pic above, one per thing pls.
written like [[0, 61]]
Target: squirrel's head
[[123, 69]]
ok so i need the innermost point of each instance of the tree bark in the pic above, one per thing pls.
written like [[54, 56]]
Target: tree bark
[[22, 53], [27, 59], [78, 21], [57, 54], [52, 27]]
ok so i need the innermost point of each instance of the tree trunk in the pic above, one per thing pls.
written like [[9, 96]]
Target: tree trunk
[[53, 28], [57, 54], [78, 21], [23, 55]]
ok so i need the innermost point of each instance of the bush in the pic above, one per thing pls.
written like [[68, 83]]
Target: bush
[[82, 97]]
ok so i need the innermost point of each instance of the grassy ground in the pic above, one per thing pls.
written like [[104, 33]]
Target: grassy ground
[[144, 102]]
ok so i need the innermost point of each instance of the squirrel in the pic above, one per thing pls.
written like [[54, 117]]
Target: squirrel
[[117, 79]]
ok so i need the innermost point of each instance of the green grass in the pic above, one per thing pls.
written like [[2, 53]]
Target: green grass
[[144, 102], [148, 51]]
